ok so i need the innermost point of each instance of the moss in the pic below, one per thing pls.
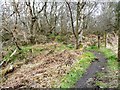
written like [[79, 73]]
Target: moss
[[101, 84], [92, 48]]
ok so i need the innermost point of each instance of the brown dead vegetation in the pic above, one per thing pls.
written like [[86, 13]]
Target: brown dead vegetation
[[43, 71]]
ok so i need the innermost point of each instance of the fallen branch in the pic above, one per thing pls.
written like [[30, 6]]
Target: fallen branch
[[3, 61], [13, 52]]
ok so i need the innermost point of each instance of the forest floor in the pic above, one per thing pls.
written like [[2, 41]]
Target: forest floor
[[57, 65], [47, 64]]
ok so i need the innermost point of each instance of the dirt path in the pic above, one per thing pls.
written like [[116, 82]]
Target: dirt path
[[95, 67]]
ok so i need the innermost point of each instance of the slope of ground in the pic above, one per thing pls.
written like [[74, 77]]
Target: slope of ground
[[45, 69]]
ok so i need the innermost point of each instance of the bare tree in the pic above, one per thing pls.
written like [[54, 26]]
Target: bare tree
[[33, 19]]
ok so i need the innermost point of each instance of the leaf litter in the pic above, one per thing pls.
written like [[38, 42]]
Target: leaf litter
[[45, 70]]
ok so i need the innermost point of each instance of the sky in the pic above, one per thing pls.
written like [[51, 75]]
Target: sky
[[62, 0], [2, 1]]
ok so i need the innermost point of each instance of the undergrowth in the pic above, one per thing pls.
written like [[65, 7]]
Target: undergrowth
[[31, 51]]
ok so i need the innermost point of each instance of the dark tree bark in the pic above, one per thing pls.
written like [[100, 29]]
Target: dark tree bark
[[71, 17], [98, 40]]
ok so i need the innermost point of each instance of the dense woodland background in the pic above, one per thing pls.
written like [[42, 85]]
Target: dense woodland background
[[33, 22], [74, 24]]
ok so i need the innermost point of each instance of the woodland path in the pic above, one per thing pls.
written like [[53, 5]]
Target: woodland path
[[95, 67]]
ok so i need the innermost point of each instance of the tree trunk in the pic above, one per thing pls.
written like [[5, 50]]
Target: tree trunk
[[105, 39], [77, 35], [98, 41], [80, 25], [14, 38], [118, 22], [32, 36], [119, 45], [77, 44], [71, 16]]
